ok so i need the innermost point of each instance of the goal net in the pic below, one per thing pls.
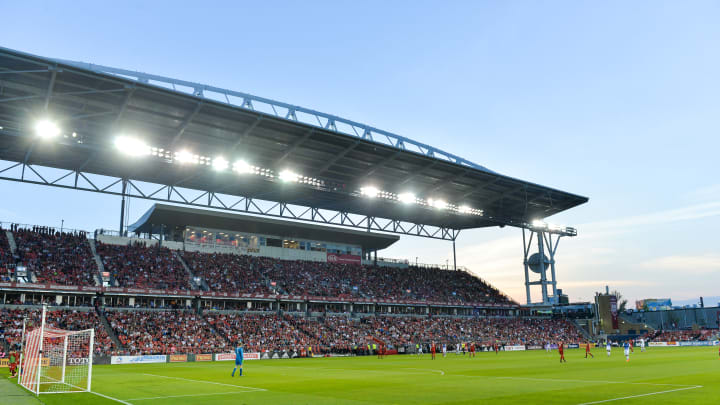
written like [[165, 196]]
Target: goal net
[[55, 360]]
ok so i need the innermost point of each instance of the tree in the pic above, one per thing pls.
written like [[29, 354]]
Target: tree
[[622, 304]]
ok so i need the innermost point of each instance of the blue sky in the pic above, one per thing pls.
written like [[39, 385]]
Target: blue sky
[[617, 101]]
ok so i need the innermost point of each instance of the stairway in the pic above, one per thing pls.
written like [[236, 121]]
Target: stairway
[[193, 285], [11, 242], [108, 328], [98, 261], [585, 332]]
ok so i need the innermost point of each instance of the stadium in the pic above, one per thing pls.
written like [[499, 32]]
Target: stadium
[[264, 233]]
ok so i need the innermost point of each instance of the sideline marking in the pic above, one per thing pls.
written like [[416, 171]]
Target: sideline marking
[[642, 395], [207, 382]]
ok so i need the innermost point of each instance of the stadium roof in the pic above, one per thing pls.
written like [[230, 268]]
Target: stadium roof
[[294, 156], [181, 217]]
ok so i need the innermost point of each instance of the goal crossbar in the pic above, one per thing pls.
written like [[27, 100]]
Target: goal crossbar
[[56, 360]]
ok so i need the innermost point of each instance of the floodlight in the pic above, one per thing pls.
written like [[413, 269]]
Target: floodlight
[[242, 167], [439, 204], [220, 164], [558, 228], [464, 209], [185, 156], [537, 223], [131, 146], [288, 175], [369, 191], [407, 198], [46, 129]]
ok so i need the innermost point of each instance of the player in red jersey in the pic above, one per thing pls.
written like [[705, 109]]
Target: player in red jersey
[[561, 350], [587, 350], [472, 349], [496, 347], [432, 350]]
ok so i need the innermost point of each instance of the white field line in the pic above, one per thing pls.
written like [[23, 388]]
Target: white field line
[[642, 395], [207, 382], [111, 398], [82, 390], [191, 395]]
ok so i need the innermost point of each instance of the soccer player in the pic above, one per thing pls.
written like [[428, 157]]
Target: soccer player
[[608, 347], [12, 364], [238, 360], [561, 350], [587, 350], [472, 349], [642, 344], [444, 349], [626, 346], [497, 349], [432, 350], [630, 342]]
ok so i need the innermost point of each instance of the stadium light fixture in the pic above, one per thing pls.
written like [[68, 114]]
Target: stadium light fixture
[[46, 129], [369, 191], [537, 223], [439, 204], [407, 198], [288, 176], [464, 209], [185, 156], [242, 167], [220, 164], [131, 146]]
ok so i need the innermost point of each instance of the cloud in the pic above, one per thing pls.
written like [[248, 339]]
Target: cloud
[[690, 212], [699, 264], [611, 283]]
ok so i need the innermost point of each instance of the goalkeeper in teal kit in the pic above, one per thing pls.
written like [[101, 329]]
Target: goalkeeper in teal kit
[[238, 361]]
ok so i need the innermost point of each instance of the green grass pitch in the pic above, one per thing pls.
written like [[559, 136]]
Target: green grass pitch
[[660, 375]]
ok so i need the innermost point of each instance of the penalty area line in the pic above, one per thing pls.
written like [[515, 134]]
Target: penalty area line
[[207, 382], [642, 395]]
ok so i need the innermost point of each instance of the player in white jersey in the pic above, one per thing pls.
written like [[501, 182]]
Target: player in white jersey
[[642, 344], [626, 346], [444, 350], [608, 348]]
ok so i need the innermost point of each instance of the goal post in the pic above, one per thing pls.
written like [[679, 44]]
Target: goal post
[[56, 360]]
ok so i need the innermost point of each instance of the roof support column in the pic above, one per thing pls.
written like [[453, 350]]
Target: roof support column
[[122, 207]]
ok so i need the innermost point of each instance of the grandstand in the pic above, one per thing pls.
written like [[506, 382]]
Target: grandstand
[[265, 230]]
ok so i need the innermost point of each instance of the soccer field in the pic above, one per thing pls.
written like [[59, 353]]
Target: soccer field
[[660, 375]]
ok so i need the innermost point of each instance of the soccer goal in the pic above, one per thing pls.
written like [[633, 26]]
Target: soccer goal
[[55, 360]]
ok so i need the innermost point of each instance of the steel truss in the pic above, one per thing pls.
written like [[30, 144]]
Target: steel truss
[[282, 110], [545, 244], [168, 193]]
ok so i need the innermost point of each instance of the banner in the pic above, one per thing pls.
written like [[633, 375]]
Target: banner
[[155, 358], [657, 344], [583, 345], [178, 358], [514, 348], [573, 346], [614, 311], [343, 259], [4, 362], [534, 347], [203, 357], [231, 356], [697, 343]]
